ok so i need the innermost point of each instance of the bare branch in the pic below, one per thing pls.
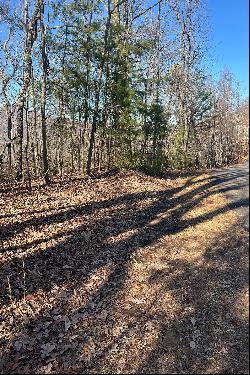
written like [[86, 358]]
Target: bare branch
[[147, 10]]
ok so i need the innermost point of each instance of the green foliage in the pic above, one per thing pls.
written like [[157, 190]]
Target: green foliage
[[203, 99], [179, 158], [158, 120], [155, 164]]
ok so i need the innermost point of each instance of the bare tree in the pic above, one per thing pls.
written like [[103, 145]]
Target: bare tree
[[45, 66], [30, 37]]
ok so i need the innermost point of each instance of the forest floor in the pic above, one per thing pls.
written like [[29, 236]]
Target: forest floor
[[123, 274]]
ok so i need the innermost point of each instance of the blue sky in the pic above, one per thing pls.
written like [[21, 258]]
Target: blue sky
[[230, 37]]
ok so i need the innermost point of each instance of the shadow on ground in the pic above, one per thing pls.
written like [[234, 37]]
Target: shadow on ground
[[204, 335]]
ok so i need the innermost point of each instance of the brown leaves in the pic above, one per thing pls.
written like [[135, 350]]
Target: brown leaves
[[107, 279], [88, 350]]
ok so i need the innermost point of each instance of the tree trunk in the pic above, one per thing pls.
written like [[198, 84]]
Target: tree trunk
[[43, 98], [26, 149], [92, 138], [31, 35], [98, 89], [36, 154], [9, 129], [19, 143]]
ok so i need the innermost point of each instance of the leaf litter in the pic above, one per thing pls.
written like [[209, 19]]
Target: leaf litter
[[122, 274]]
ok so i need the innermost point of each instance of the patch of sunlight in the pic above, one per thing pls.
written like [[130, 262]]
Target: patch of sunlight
[[241, 306], [28, 247], [217, 362], [198, 182], [121, 237], [164, 215], [135, 344], [207, 205]]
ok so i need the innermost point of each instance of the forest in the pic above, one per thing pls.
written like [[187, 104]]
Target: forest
[[124, 190], [88, 86]]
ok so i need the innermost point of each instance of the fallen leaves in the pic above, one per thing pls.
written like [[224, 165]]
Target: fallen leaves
[[46, 349], [116, 280], [88, 350], [192, 345], [67, 324]]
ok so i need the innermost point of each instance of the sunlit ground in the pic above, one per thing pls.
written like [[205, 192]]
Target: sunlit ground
[[126, 274]]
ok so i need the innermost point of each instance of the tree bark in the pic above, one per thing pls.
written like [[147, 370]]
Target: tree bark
[[97, 100], [31, 35], [43, 98]]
